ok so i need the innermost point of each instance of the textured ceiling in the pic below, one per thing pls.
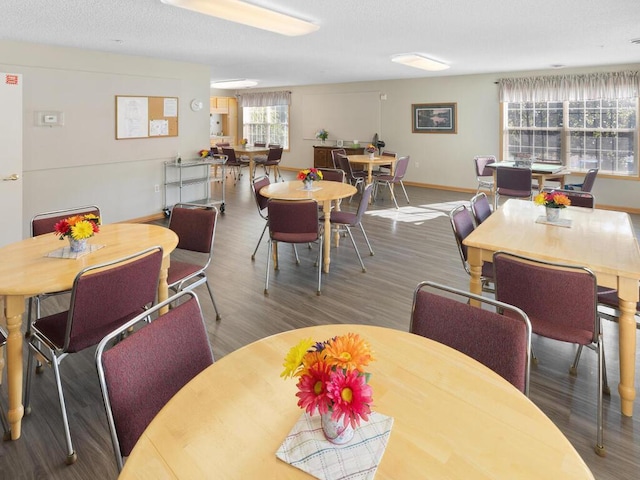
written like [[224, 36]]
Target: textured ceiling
[[356, 37]]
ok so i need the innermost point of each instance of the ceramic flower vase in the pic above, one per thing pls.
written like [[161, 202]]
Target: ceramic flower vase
[[307, 184], [553, 214], [335, 431], [77, 246], [371, 155]]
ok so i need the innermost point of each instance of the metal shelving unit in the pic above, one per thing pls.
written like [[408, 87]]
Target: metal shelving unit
[[180, 175]]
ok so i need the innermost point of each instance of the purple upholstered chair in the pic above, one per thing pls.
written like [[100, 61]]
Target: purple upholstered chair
[[345, 220], [294, 221], [480, 207], [235, 163], [560, 301], [195, 226], [587, 184], [396, 179], [332, 175], [484, 174], [272, 159], [334, 156], [512, 182], [462, 225], [499, 341], [577, 197], [356, 178], [141, 373], [103, 297]]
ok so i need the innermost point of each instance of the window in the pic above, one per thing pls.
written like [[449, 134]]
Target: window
[[597, 134], [266, 124], [580, 132]]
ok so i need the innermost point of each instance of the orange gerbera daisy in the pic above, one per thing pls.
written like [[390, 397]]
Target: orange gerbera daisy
[[349, 352]]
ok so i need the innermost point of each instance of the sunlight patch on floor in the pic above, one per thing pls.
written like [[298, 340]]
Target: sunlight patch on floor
[[418, 214]]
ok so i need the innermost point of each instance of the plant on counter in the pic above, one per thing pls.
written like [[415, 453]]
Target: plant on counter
[[332, 377], [322, 134], [310, 175], [78, 227], [552, 200]]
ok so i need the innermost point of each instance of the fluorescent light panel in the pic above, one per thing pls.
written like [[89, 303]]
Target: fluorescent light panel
[[419, 61], [247, 14], [232, 84]]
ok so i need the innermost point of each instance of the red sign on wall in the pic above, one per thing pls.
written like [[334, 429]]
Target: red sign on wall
[[11, 79]]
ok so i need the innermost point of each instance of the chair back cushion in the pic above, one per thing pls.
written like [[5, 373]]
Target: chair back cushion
[[497, 341], [401, 169], [462, 225], [589, 180], [146, 369], [481, 163], [194, 226], [104, 298], [45, 222], [480, 208], [559, 300], [231, 155], [274, 155], [513, 181], [334, 158], [332, 175], [293, 221], [259, 184]]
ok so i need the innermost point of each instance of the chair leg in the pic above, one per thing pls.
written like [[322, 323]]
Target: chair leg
[[71, 454], [355, 247], [366, 239], [573, 370], [393, 196], [266, 280], [320, 251], [599, 448], [215, 307], [253, 255], [405, 192]]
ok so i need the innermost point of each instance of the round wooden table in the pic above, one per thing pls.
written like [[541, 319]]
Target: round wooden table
[[25, 271], [322, 192], [370, 162], [453, 417]]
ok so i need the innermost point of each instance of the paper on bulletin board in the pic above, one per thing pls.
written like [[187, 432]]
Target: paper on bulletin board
[[170, 107], [158, 128], [133, 113]]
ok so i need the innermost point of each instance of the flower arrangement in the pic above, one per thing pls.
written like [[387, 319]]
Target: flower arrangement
[[310, 175], [78, 227], [244, 142], [331, 377], [322, 134], [371, 148], [204, 153], [552, 200]]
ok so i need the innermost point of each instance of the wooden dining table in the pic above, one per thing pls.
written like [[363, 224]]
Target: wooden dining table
[[323, 192], [453, 418], [370, 162], [250, 151], [26, 271], [601, 240]]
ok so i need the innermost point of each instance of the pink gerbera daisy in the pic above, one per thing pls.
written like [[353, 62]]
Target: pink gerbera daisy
[[312, 388], [351, 396]]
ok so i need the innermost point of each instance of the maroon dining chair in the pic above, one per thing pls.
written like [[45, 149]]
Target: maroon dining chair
[[512, 182], [500, 341], [587, 184], [141, 373], [484, 174], [577, 197], [236, 163], [396, 179], [480, 207]]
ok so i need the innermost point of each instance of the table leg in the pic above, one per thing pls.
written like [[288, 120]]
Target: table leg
[[370, 179], [474, 257], [628, 295], [252, 166], [163, 287], [14, 308], [326, 210]]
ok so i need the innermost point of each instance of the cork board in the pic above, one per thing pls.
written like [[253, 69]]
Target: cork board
[[146, 117]]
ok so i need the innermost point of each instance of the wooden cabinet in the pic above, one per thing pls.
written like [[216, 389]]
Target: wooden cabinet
[[219, 105], [322, 155], [230, 121]]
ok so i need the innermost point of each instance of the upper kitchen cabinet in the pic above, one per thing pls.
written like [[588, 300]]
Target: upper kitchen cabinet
[[219, 105]]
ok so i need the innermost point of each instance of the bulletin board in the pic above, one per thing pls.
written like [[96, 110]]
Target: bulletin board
[[146, 117]]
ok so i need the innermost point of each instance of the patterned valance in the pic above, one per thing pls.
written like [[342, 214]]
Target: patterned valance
[[265, 99]]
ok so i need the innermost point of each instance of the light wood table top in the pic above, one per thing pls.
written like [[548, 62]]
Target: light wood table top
[[370, 162], [323, 193], [601, 240], [453, 417], [25, 271], [250, 151]]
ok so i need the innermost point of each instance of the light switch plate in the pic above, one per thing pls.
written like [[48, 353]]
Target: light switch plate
[[49, 119]]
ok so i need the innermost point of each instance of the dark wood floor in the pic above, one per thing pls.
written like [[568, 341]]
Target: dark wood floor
[[405, 254]]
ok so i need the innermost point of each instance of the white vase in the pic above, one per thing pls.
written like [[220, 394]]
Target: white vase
[[371, 154], [553, 214], [77, 246], [307, 184], [335, 431]]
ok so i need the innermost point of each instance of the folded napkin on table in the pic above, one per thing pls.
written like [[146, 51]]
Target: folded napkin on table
[[307, 449]]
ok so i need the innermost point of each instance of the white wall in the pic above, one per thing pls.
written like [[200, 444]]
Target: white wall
[[444, 160], [81, 162]]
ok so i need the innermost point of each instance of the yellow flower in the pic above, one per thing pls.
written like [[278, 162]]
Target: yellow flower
[[82, 230], [540, 199], [293, 360]]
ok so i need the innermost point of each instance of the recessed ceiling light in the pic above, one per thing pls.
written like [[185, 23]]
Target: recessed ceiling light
[[248, 14], [557, 65], [417, 60], [635, 41], [233, 84]]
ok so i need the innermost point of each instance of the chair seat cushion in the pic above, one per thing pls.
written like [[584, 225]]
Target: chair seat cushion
[[344, 218], [294, 237], [180, 270], [610, 298], [563, 333], [508, 192]]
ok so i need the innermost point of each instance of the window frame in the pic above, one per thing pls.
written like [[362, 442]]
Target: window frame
[[563, 151], [248, 125]]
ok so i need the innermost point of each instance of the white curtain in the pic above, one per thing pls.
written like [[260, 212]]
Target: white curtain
[[591, 86], [265, 99]]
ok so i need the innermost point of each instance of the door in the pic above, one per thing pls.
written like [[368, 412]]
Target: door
[[10, 157]]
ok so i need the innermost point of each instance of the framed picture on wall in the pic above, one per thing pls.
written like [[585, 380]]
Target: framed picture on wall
[[434, 118]]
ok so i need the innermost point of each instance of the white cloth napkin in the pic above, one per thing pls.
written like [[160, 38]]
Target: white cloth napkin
[[306, 448], [65, 252]]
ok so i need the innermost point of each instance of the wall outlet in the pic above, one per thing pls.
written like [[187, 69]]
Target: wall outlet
[[156, 188]]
